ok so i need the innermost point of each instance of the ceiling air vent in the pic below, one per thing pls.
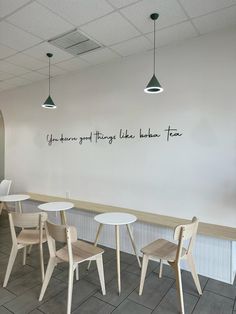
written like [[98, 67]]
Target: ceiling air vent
[[74, 43]]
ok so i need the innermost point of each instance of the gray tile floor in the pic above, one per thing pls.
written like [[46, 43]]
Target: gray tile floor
[[159, 296]]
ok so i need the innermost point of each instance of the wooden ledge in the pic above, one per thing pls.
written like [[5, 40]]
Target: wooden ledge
[[216, 231]]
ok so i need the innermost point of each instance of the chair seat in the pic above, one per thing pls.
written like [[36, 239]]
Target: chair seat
[[81, 252], [30, 236], [162, 249]]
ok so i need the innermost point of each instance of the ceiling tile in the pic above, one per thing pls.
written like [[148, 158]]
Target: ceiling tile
[[17, 81], [5, 76], [99, 56], [11, 68], [217, 20], [121, 3], [110, 29], [9, 6], [40, 51], [54, 71], [174, 33], [139, 14], [26, 61], [78, 12], [133, 46], [34, 76], [73, 64], [40, 21], [6, 51], [16, 38], [196, 8], [4, 85]]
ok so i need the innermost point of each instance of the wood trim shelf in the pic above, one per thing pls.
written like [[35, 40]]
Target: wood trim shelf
[[217, 231]]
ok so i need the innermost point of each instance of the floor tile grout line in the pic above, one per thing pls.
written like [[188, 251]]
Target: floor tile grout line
[[10, 292], [85, 299], [105, 301], [38, 310], [7, 309], [133, 291], [139, 303], [221, 295], [195, 305], [234, 303], [164, 295]]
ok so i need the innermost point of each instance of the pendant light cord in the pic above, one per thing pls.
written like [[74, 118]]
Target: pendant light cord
[[154, 52], [49, 85]]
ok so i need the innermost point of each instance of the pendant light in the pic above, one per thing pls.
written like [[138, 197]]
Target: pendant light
[[49, 104], [154, 87]]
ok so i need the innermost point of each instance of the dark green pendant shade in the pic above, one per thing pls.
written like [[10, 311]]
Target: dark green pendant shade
[[49, 104], [153, 86]]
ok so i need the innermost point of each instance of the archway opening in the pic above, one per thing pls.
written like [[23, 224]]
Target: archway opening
[[2, 147]]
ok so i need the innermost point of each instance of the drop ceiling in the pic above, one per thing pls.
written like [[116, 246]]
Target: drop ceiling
[[120, 27]]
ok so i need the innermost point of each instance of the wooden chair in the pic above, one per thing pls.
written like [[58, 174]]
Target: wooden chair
[[26, 237], [5, 186], [74, 252], [165, 250]]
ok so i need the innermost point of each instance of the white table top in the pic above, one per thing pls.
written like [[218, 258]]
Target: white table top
[[114, 218], [56, 206], [14, 198]]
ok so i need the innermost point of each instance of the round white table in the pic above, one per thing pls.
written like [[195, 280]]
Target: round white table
[[17, 198], [57, 207], [117, 219]]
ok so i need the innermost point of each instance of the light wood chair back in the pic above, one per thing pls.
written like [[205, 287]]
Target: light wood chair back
[[59, 232], [31, 233], [28, 220], [162, 249], [63, 234], [5, 186], [74, 252], [186, 232]]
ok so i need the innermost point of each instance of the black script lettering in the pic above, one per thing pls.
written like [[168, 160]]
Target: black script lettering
[[124, 134], [67, 139], [170, 133], [51, 139], [100, 136], [148, 134], [85, 138]]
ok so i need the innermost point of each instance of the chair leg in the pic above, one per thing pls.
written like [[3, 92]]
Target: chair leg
[[10, 265], [194, 273], [1, 207], [41, 260], [179, 285], [143, 273], [96, 241], [161, 268], [133, 244], [117, 228], [29, 250], [70, 289], [99, 262], [77, 272], [48, 275], [24, 254]]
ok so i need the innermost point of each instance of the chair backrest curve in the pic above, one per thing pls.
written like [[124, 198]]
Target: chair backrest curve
[[186, 232], [28, 220], [5, 186], [59, 233]]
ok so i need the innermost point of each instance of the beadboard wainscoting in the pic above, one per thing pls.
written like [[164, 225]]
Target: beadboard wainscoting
[[215, 258]]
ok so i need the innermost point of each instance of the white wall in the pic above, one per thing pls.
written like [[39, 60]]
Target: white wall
[[194, 174]]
